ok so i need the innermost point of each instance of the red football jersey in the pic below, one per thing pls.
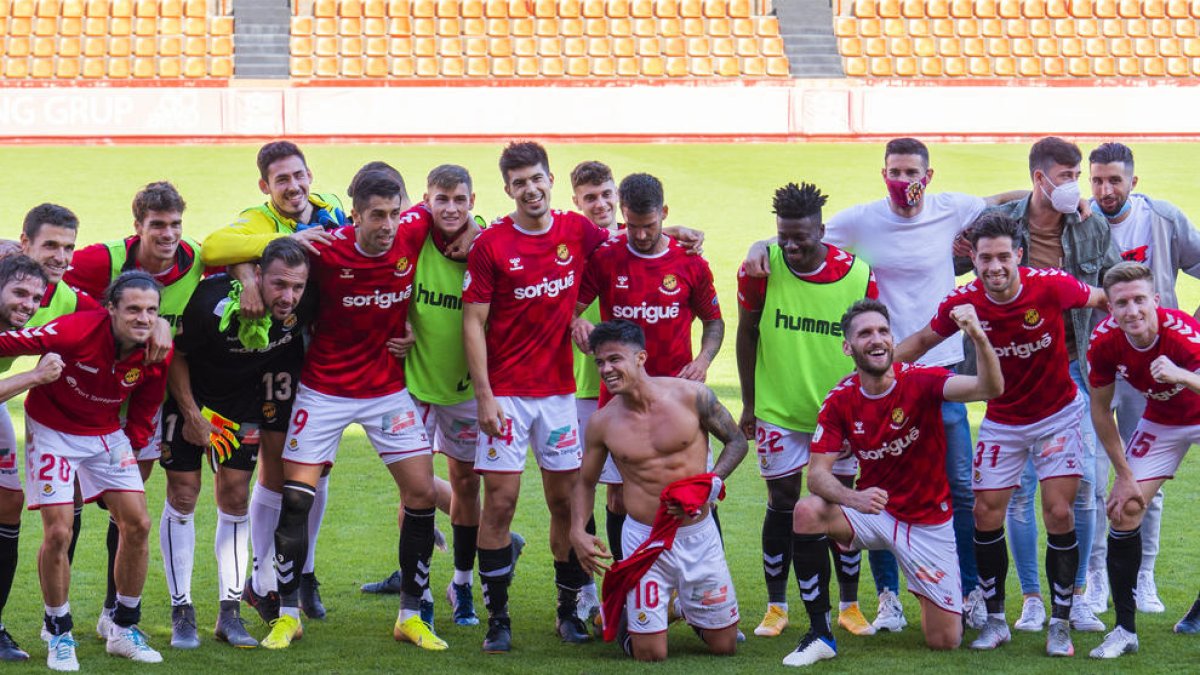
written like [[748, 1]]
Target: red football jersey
[[86, 399], [1111, 355], [898, 438], [531, 280], [363, 304], [752, 291], [1027, 335], [660, 293]]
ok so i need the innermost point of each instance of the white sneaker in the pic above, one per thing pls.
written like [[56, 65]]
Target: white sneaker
[[1095, 592], [1116, 643], [1033, 615], [1083, 618], [131, 643], [61, 655], [1146, 594], [104, 625], [891, 613], [812, 648], [974, 609]]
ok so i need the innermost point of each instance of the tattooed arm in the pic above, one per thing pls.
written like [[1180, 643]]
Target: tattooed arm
[[716, 420]]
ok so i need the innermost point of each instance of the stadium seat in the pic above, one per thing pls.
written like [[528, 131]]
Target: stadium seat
[[301, 45], [350, 9], [936, 9], [121, 8], [1034, 9], [697, 47], [864, 9], [943, 28], [676, 66], [1063, 28], [649, 47], [1022, 46], [880, 66], [577, 67], [1040, 28], [1137, 27], [170, 45], [716, 28], [1071, 47], [548, 46], [855, 67], [598, 47], [143, 68], [403, 68], [1080, 9], [545, 9], [846, 47], [94, 27], [928, 67], [570, 27], [1095, 47], [18, 47], [472, 46], [424, 9], [170, 69], [120, 47], [889, 9], [986, 9], [694, 28], [1178, 9], [691, 9], [1087, 28], [1078, 67], [351, 46], [771, 46], [778, 67], [350, 26], [1145, 47], [701, 66], [1162, 28], [426, 67], [449, 27], [1154, 66], [500, 47], [70, 47], [1185, 28], [740, 9], [143, 27], [145, 9], [974, 47], [912, 9], [455, 66], [991, 28], [924, 47], [1058, 9], [645, 27], [604, 66], [374, 26], [45, 9], [906, 66], [221, 25], [595, 28], [617, 9], [1045, 47], [572, 46], [871, 28], [875, 47], [895, 27], [502, 67], [1177, 67], [400, 46], [593, 9], [521, 27], [652, 66], [1112, 28], [326, 46], [666, 9], [374, 9], [1010, 9], [967, 27], [901, 46], [424, 47], [495, 9], [448, 9], [496, 27], [642, 9], [1128, 67], [715, 9], [1129, 9], [979, 67], [327, 67], [545, 27], [753, 66], [843, 27], [1169, 48], [94, 8], [195, 8], [424, 27], [1105, 9], [41, 69], [92, 46]]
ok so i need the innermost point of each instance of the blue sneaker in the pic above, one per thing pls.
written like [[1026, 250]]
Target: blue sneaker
[[463, 604], [1190, 624]]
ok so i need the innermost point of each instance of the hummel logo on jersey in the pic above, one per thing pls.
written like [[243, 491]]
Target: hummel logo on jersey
[[86, 368], [895, 447], [347, 273], [1023, 350], [35, 332], [514, 264], [547, 287], [382, 300], [622, 282], [651, 314], [858, 428]]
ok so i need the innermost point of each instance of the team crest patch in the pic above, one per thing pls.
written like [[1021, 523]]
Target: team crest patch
[[292, 444], [978, 476], [563, 255], [897, 418], [47, 489], [1033, 318], [290, 322], [762, 461], [402, 267], [132, 376], [670, 284], [641, 618], [492, 455], [269, 410]]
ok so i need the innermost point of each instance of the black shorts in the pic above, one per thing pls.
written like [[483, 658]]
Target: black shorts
[[277, 390], [180, 455]]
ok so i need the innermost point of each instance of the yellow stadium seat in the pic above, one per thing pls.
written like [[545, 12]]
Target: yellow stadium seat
[[1071, 47], [474, 27], [402, 26], [95, 8], [170, 45], [550, 46], [1058, 9], [350, 26], [19, 27], [92, 46], [593, 9], [41, 69], [424, 9], [574, 46], [967, 27], [577, 67], [843, 27], [604, 66], [143, 68], [145, 27], [701, 66], [195, 27], [166, 25], [1055, 66], [1169, 48], [1081, 9], [1040, 28], [624, 47], [1087, 28], [1121, 46], [195, 8], [855, 67], [675, 47], [404, 67], [43, 47], [327, 67], [722, 47], [906, 66], [525, 46], [895, 27], [375, 9], [427, 67], [1177, 67], [901, 46], [694, 27], [555, 66], [846, 47], [991, 27], [144, 46], [979, 67], [919, 27], [754, 66], [350, 9], [170, 69], [448, 8], [374, 26], [1154, 66], [928, 67], [1178, 9], [691, 9], [93, 69], [45, 27], [474, 46], [503, 67], [500, 47], [118, 69], [871, 27], [472, 9], [424, 47], [70, 47], [1128, 67], [220, 66], [1162, 28], [121, 8], [880, 66], [649, 47], [1034, 9], [954, 66], [771, 46], [326, 46], [595, 27], [1010, 9], [545, 9], [145, 9], [455, 66], [652, 66], [1112, 28], [498, 27], [617, 9], [521, 27], [221, 25], [1137, 27], [974, 47], [546, 27], [999, 47], [424, 27], [1046, 47], [698, 46], [48, 9], [937, 9], [374, 67], [875, 46], [351, 46], [924, 46], [221, 46], [1104, 66], [889, 9], [943, 27], [719, 27], [1095, 47], [476, 67], [1145, 47], [95, 27], [962, 9], [496, 9], [715, 9], [645, 27], [1105, 9], [297, 46], [449, 27], [1063, 28], [1079, 67], [912, 9], [325, 8], [1129, 9], [864, 9], [642, 9], [1021, 46], [950, 46]]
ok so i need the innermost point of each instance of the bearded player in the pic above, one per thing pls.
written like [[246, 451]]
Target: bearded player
[[889, 414], [1157, 352]]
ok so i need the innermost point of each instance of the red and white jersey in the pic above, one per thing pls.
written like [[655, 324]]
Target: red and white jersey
[[363, 304], [531, 280], [86, 399], [752, 291], [898, 437], [1028, 336], [661, 293], [1111, 355]]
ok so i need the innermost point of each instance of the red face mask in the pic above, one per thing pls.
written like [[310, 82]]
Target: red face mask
[[904, 193]]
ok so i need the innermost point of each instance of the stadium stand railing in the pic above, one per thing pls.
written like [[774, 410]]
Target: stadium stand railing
[[377, 39], [116, 40], [1018, 38]]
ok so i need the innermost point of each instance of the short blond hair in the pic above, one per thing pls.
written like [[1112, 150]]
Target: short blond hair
[[1127, 271]]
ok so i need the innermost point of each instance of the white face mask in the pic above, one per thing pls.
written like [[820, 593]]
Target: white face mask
[[1064, 198]]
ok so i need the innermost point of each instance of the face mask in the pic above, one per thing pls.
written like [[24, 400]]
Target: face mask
[[1064, 198], [1110, 217], [905, 194]]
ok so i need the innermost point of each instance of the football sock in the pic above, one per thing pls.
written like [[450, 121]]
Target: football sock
[[1124, 559], [991, 555], [76, 526], [466, 539], [416, 548], [495, 574], [810, 558], [230, 546], [614, 526], [58, 619], [129, 610], [264, 518], [569, 577], [315, 515], [291, 541], [177, 539], [112, 541], [1062, 562], [848, 564], [8, 560], [777, 553]]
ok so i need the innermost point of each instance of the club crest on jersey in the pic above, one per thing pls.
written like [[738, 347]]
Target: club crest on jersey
[[1033, 318], [642, 618], [978, 476], [293, 444], [269, 410], [492, 455], [47, 489], [898, 418], [563, 255], [402, 267], [762, 461], [290, 322], [670, 285], [132, 377]]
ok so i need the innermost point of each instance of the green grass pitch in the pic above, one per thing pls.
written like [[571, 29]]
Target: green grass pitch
[[724, 190]]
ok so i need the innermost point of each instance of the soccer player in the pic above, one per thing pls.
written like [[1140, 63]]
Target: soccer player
[[801, 303], [647, 277], [230, 381], [890, 416], [656, 429], [159, 248], [1156, 233], [1157, 351], [22, 287], [1039, 414], [74, 430], [522, 282], [365, 277]]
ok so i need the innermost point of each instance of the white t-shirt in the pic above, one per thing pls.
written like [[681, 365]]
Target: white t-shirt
[[1132, 236], [912, 259]]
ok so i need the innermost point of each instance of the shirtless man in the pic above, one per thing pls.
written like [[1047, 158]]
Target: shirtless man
[[656, 429]]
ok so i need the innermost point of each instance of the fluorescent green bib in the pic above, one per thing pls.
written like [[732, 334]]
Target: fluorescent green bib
[[175, 297], [587, 377], [436, 368]]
